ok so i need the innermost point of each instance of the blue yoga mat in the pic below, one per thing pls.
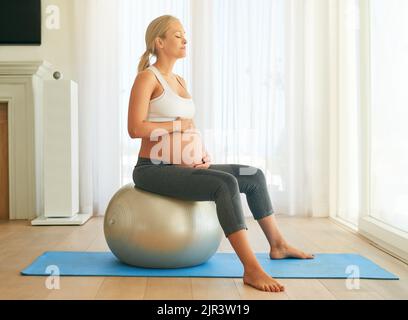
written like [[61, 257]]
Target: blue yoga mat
[[224, 265]]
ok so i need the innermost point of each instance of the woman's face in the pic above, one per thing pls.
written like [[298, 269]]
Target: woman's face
[[175, 42]]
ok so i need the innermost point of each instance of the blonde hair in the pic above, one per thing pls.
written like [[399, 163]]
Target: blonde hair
[[157, 28]]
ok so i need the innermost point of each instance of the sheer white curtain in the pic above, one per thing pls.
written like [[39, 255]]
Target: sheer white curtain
[[257, 70], [345, 111], [265, 100], [97, 65]]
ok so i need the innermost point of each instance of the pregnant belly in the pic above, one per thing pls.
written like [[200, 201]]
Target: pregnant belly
[[179, 148]]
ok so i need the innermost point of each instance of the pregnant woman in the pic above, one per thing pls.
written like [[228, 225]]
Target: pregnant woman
[[174, 162]]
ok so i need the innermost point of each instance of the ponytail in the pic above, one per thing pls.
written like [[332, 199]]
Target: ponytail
[[144, 61]]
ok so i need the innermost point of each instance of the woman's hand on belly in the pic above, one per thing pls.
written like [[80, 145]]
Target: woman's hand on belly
[[206, 161], [187, 148], [180, 148]]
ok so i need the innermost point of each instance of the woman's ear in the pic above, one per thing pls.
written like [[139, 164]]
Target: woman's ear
[[159, 43]]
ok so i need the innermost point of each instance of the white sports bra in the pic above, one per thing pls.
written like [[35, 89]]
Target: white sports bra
[[169, 105]]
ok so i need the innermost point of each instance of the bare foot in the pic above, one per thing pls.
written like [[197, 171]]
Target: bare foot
[[260, 280], [286, 251]]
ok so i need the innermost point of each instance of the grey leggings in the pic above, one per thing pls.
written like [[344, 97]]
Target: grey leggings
[[221, 183]]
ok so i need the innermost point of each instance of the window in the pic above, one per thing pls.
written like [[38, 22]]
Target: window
[[389, 112]]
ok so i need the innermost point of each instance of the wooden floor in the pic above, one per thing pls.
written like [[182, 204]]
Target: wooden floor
[[21, 243]]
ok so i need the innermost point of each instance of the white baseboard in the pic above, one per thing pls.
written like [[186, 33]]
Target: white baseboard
[[75, 220]]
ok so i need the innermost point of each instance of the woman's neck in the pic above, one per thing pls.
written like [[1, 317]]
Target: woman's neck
[[164, 70]]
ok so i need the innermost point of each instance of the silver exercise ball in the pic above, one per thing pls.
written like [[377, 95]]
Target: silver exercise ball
[[149, 230]]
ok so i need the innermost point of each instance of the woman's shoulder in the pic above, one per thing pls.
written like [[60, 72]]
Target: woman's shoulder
[[144, 79], [146, 75]]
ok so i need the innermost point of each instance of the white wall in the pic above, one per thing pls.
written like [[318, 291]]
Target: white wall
[[56, 45]]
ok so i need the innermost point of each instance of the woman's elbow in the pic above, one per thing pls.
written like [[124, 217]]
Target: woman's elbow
[[133, 133]]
